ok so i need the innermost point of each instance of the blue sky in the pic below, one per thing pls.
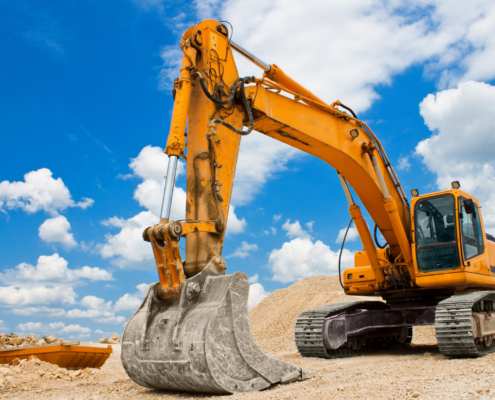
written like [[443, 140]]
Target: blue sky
[[85, 110]]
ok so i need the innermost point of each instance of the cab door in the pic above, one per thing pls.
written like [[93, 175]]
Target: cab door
[[471, 231]]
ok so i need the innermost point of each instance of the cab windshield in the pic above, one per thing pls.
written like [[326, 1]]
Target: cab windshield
[[435, 231]]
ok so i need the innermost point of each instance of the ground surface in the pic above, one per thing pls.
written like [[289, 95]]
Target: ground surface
[[418, 371]]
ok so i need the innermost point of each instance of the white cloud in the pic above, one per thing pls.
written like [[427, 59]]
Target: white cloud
[[376, 40], [93, 274], [127, 303], [131, 302], [56, 230], [152, 163], [260, 159], [462, 143], [11, 295], [243, 250], [352, 235], [404, 164], [256, 293], [52, 328], [254, 278], [128, 247], [95, 303], [301, 258], [234, 224], [39, 191], [104, 317], [295, 230], [46, 311], [49, 282], [277, 217]]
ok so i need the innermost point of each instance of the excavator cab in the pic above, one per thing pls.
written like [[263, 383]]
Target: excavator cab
[[451, 247]]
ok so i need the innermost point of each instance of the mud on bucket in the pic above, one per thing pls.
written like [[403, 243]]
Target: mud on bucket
[[200, 342]]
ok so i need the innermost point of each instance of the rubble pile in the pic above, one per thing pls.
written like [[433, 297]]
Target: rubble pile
[[28, 371], [13, 340], [115, 339]]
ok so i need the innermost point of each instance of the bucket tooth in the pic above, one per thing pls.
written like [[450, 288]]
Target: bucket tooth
[[200, 342]]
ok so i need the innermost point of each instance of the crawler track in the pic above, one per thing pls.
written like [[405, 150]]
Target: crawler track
[[453, 326], [309, 335]]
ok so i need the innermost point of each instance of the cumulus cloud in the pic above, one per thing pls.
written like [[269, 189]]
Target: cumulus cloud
[[301, 257], [39, 191], [52, 328], [95, 303], [49, 312], [127, 247], [377, 40], [461, 145], [131, 302], [352, 235], [260, 159], [49, 282], [243, 250], [256, 293], [404, 164], [56, 230], [101, 316], [234, 224], [295, 230]]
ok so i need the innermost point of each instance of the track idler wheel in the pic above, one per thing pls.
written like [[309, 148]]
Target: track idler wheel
[[200, 342]]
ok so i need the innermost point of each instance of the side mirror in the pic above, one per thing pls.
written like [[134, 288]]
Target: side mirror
[[468, 206]]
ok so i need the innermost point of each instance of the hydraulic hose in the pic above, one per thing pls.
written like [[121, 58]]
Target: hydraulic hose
[[340, 254], [248, 109], [348, 109], [210, 96], [376, 239]]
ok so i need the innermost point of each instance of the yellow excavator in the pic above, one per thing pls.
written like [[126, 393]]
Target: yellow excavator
[[191, 332]]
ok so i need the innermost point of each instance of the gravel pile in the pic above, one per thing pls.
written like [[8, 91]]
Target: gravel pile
[[273, 319], [28, 371], [13, 341]]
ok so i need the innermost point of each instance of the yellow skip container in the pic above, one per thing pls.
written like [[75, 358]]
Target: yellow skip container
[[67, 355]]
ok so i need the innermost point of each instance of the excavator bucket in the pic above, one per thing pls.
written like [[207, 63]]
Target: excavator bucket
[[200, 341]]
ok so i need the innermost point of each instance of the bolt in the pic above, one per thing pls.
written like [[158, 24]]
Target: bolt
[[193, 289]]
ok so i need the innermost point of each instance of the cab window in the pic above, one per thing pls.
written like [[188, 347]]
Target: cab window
[[435, 232], [472, 235]]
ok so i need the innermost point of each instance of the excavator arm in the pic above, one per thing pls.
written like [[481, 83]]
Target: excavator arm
[[192, 331]]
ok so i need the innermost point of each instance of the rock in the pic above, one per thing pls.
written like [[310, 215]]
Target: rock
[[33, 358], [40, 342], [104, 340], [111, 341], [15, 340], [15, 362], [2, 382], [115, 337], [41, 373], [50, 339], [5, 371], [61, 371], [32, 337], [415, 395]]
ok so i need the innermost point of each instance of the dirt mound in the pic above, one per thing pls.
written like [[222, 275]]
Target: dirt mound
[[273, 319], [13, 340], [22, 371]]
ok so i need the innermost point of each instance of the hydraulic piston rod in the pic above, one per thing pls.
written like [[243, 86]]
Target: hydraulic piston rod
[[169, 188]]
